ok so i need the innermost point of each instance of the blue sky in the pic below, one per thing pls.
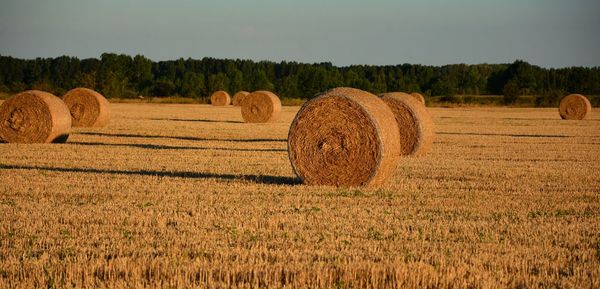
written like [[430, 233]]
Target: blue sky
[[549, 33]]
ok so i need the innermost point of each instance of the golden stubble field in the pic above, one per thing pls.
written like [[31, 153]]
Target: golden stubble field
[[187, 195]]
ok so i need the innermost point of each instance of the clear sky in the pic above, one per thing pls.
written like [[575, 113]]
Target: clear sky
[[549, 33]]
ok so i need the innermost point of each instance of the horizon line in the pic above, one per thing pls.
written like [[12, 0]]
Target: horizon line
[[299, 62]]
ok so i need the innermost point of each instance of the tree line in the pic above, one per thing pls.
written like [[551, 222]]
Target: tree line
[[123, 76]]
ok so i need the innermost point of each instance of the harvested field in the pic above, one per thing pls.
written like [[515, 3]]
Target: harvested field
[[186, 195]]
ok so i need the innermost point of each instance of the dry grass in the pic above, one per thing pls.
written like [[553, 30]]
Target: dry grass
[[181, 195]]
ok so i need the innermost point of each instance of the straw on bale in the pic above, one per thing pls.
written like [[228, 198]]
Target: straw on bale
[[261, 106], [220, 98], [575, 106], [414, 123], [88, 108], [418, 97], [344, 137], [238, 97], [34, 116]]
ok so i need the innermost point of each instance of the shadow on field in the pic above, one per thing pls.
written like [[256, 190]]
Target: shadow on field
[[167, 147], [260, 179], [503, 134], [197, 120], [518, 118], [180, 137]]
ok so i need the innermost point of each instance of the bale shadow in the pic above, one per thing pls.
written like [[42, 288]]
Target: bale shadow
[[168, 147], [517, 118], [260, 179], [197, 120], [180, 137], [502, 134]]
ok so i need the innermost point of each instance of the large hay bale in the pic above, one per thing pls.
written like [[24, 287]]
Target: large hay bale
[[238, 97], [414, 123], [220, 98], [88, 108], [261, 106], [34, 116], [575, 106], [418, 97], [344, 137]]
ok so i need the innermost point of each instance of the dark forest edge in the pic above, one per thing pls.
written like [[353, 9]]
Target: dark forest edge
[[120, 76]]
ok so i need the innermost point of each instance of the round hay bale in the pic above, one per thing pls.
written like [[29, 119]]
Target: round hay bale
[[414, 123], [34, 116], [344, 137], [220, 98], [575, 106], [238, 97], [418, 97], [88, 108], [261, 106]]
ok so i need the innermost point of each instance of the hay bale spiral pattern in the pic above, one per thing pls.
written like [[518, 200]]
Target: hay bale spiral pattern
[[88, 107], [238, 97], [344, 137], [261, 106], [418, 97], [575, 106], [34, 116], [220, 98], [414, 123]]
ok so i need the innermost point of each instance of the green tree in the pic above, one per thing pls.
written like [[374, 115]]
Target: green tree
[[113, 75], [511, 91], [193, 85], [164, 87], [141, 74], [261, 81], [236, 80], [217, 81], [443, 88], [289, 87]]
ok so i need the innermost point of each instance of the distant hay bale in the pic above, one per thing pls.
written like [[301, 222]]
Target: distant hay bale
[[261, 106], [344, 137], [414, 123], [238, 97], [220, 98], [418, 97], [88, 108], [34, 116], [575, 106]]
